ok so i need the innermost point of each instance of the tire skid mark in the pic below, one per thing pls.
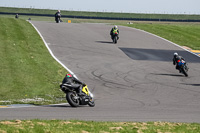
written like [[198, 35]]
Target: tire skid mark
[[113, 85], [142, 104], [100, 77]]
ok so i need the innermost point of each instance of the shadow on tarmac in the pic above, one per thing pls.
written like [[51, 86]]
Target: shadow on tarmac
[[158, 54], [175, 75], [64, 106], [191, 84], [104, 42]]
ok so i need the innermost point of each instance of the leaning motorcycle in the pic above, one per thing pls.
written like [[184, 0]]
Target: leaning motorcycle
[[115, 37], [183, 67], [74, 99]]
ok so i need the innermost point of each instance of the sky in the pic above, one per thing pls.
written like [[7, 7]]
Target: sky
[[128, 6]]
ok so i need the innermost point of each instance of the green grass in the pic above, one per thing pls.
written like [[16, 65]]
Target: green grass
[[74, 126], [184, 34], [27, 68], [28, 71], [34, 18], [27, 74], [102, 14], [52, 19]]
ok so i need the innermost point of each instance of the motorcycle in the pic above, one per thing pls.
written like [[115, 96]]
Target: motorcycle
[[115, 37], [183, 67], [74, 99], [57, 18]]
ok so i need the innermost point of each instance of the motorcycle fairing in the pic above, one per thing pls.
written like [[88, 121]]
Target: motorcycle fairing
[[85, 90], [181, 62]]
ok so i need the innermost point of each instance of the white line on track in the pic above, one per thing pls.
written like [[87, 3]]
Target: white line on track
[[123, 26], [51, 51], [23, 106], [29, 105], [17, 106]]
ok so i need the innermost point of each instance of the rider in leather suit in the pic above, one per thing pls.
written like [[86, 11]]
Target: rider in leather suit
[[57, 15], [177, 58], [114, 29], [74, 83]]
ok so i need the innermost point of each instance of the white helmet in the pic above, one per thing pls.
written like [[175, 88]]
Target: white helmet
[[175, 54], [115, 27]]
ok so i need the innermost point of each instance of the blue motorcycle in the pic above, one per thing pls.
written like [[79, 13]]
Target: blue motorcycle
[[183, 67]]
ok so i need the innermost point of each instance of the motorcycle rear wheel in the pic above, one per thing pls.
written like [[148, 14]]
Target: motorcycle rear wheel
[[70, 96]]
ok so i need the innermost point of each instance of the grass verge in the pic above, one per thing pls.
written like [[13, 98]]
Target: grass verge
[[25, 74], [27, 69], [29, 72], [74, 126], [184, 34], [102, 14]]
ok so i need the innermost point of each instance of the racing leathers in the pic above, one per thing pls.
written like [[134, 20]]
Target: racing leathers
[[57, 16], [176, 60], [113, 31], [74, 83]]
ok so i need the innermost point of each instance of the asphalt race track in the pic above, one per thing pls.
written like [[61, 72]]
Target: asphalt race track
[[133, 80]]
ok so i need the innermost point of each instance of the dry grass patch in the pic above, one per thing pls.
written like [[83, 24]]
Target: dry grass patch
[[67, 122], [84, 131], [41, 123], [116, 128], [76, 126], [2, 131]]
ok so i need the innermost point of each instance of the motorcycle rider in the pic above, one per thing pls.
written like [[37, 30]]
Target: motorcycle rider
[[74, 83], [113, 30], [57, 15], [177, 58]]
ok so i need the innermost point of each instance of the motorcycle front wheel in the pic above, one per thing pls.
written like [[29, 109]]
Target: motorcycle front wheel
[[91, 103], [115, 40], [72, 99]]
